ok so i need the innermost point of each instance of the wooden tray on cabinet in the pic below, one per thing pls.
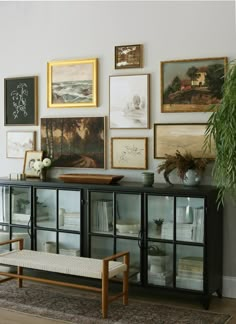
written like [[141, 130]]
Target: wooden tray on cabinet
[[91, 178]]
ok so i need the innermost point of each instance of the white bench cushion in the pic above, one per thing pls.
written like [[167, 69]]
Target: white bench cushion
[[66, 264]]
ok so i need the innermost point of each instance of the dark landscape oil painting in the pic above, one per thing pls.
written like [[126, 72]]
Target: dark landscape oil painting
[[192, 85], [74, 142]]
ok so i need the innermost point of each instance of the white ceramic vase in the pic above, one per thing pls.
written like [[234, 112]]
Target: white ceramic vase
[[191, 178]]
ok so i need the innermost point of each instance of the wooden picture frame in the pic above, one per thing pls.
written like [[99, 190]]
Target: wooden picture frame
[[129, 153], [191, 85], [17, 142], [72, 83], [129, 101], [128, 56], [21, 101], [183, 137], [77, 142], [30, 158]]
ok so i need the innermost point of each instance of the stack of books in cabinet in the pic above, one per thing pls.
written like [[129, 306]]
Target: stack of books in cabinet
[[190, 273], [102, 215]]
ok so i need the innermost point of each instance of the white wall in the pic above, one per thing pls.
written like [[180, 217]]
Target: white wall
[[34, 33]]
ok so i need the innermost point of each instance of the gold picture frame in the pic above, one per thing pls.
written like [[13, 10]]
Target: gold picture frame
[[191, 85], [72, 83], [129, 153], [183, 137], [30, 158]]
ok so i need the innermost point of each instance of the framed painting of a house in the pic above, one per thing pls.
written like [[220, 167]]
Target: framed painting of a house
[[191, 85], [72, 83], [77, 142]]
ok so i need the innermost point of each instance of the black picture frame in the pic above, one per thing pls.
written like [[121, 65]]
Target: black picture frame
[[21, 101]]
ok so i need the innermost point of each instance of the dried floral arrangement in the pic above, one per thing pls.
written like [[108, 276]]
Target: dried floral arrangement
[[181, 162]]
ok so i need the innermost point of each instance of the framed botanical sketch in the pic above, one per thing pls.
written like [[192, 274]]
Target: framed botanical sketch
[[183, 137], [72, 83], [129, 153], [128, 56], [77, 142], [21, 101], [30, 158], [191, 85], [129, 101], [19, 142]]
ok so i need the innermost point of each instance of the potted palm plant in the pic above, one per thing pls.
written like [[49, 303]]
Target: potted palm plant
[[183, 162], [221, 127]]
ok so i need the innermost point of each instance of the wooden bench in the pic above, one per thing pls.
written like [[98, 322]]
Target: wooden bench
[[104, 269]]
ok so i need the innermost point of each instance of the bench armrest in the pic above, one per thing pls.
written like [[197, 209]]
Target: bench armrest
[[20, 240], [116, 256]]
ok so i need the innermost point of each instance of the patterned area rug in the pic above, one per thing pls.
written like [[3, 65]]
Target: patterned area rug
[[76, 306]]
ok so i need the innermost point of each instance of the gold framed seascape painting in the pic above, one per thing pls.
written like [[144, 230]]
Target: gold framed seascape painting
[[191, 85], [129, 153], [72, 83], [183, 137]]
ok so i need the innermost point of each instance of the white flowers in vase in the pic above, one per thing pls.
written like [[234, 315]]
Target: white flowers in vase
[[41, 167]]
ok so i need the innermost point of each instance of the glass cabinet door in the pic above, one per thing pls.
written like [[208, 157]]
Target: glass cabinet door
[[190, 219], [189, 267], [125, 244], [24, 233], [46, 208], [101, 213], [160, 217], [69, 209], [20, 205], [128, 216], [160, 264]]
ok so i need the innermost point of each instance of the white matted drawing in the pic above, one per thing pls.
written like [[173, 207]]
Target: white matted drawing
[[19, 142], [129, 101]]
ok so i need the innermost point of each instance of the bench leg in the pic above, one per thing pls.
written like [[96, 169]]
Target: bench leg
[[126, 281], [20, 272], [105, 290]]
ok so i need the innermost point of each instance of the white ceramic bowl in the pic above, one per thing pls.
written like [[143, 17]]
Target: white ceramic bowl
[[127, 226]]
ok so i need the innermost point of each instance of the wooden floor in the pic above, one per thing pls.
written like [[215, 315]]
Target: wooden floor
[[224, 305]]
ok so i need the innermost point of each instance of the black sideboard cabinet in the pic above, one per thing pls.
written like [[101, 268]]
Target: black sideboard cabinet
[[184, 254]]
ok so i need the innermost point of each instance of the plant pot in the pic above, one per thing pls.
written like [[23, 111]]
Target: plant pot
[[191, 178], [158, 230], [43, 174]]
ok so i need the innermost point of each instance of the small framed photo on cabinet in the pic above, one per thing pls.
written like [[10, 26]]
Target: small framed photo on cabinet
[[30, 158]]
